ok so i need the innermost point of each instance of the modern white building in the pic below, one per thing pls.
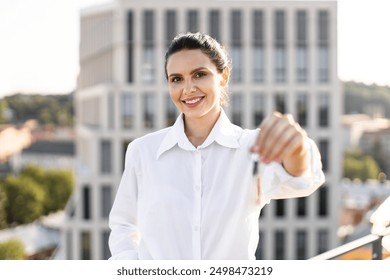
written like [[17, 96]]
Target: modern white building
[[284, 58]]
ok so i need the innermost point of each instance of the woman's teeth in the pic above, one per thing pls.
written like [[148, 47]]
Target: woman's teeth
[[192, 101]]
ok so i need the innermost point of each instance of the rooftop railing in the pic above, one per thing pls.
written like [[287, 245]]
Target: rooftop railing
[[379, 239], [371, 239]]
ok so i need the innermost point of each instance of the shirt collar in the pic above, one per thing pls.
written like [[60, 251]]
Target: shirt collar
[[224, 133]]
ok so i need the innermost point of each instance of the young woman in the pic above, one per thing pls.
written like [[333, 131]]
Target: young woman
[[190, 191]]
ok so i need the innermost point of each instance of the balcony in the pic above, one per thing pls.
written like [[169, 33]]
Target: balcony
[[379, 239]]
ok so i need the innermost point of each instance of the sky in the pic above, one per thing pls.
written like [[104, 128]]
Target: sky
[[39, 41]]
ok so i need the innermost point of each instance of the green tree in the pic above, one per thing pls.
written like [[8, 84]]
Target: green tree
[[12, 250], [34, 172], [47, 109], [25, 199], [59, 186], [45, 116], [3, 110], [35, 192], [361, 96], [3, 210], [356, 165]]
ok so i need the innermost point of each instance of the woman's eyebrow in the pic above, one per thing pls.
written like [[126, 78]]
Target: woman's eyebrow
[[192, 71], [197, 69]]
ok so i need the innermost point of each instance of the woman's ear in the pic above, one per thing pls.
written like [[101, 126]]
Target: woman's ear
[[225, 75]]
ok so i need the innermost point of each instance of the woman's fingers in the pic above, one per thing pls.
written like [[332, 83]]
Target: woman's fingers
[[280, 136]]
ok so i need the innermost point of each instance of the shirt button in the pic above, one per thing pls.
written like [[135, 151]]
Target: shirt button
[[196, 228], [197, 187]]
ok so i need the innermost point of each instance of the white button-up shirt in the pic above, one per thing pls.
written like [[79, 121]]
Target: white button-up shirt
[[177, 201]]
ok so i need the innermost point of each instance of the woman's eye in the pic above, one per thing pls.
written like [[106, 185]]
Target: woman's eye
[[200, 75], [175, 79]]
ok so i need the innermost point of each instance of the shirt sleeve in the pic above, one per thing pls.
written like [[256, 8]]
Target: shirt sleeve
[[124, 236], [278, 184]]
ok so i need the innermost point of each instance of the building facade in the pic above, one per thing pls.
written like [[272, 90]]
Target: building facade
[[284, 58]]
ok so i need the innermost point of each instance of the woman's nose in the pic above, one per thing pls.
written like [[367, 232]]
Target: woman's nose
[[189, 87]]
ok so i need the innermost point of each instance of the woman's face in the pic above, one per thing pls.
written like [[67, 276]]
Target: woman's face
[[194, 84]]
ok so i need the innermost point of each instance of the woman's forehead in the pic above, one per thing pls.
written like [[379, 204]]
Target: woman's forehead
[[188, 59]]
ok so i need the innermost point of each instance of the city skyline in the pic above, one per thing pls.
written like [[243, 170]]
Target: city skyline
[[40, 48]]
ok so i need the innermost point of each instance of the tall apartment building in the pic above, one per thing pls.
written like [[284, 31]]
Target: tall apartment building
[[284, 58]]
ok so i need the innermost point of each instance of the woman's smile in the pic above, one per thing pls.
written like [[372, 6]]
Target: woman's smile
[[192, 102]]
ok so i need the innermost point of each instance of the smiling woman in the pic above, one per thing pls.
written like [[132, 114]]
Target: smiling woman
[[187, 191], [194, 86]]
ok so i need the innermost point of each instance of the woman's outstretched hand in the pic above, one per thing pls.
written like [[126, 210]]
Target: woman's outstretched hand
[[282, 139]]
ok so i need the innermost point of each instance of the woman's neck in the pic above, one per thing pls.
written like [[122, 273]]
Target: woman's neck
[[198, 129]]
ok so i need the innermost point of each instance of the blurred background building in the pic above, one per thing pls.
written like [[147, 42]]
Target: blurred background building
[[284, 56]]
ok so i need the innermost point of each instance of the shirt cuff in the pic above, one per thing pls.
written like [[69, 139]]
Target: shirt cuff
[[277, 183]]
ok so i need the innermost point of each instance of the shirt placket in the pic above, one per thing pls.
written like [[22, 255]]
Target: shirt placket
[[197, 189]]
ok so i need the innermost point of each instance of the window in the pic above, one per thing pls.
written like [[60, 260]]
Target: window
[[106, 250], [130, 47], [280, 64], [258, 46], [263, 211], [105, 157], [323, 64], [301, 241], [236, 75], [214, 25], [170, 26], [149, 110], [86, 245], [323, 110], [258, 64], [236, 27], [301, 46], [322, 241], [323, 147], [127, 111], [301, 60], [323, 46], [322, 201], [148, 27], [301, 206], [149, 64], [301, 28], [279, 245], [106, 201], [258, 27], [171, 111], [280, 28], [302, 107], [280, 47], [236, 42], [237, 109], [280, 208], [192, 21], [69, 247], [86, 197], [149, 56], [280, 103], [259, 109], [124, 149], [323, 27], [260, 246]]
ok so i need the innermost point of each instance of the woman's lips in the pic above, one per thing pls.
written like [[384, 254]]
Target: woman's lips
[[192, 102]]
